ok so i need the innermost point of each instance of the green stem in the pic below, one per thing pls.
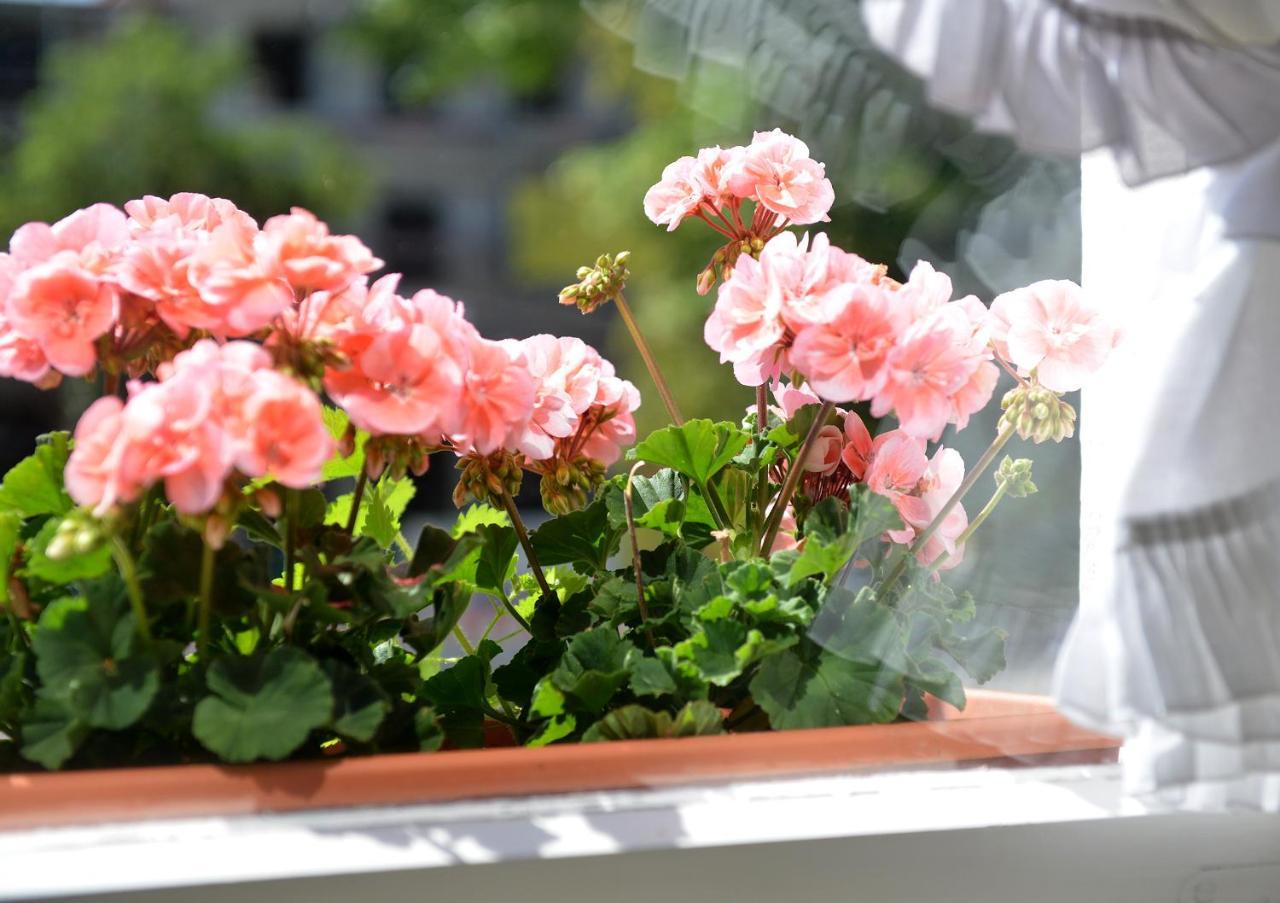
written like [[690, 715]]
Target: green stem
[[970, 479], [515, 615], [207, 557], [523, 535], [129, 572], [357, 498], [629, 508], [716, 506], [794, 473], [650, 362], [493, 622], [973, 526], [290, 537], [462, 640], [762, 484]]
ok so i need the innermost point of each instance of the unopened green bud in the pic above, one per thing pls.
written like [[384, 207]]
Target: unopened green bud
[[1014, 476]]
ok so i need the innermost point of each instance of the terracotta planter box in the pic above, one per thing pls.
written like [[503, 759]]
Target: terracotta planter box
[[1007, 727]]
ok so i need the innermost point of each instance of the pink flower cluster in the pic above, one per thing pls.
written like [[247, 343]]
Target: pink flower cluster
[[894, 464], [418, 368], [216, 409], [103, 283], [775, 171], [810, 308], [1051, 330]]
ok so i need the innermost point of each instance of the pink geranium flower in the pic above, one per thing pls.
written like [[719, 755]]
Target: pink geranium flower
[[497, 398], [20, 357], [185, 211], [404, 381], [676, 196], [553, 415], [857, 450], [845, 357], [300, 246], [283, 434], [64, 309], [939, 482], [895, 465], [1052, 329], [93, 235], [239, 290], [776, 170], [746, 325], [92, 475], [928, 366], [791, 398]]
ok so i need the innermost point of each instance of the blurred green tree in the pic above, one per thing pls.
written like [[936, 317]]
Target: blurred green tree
[[136, 112], [431, 46]]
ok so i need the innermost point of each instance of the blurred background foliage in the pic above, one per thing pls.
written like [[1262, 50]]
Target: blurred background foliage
[[149, 109]]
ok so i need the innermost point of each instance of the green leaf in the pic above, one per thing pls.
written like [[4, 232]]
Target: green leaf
[[635, 722], [980, 651], [51, 733], [428, 728], [808, 687], [722, 650], [582, 538], [933, 676], [476, 516], [695, 579], [433, 549], [594, 667], [262, 706], [497, 557], [516, 680], [339, 467], [34, 485], [649, 677], [359, 705], [77, 566], [88, 657], [384, 505], [699, 449], [658, 502], [10, 528]]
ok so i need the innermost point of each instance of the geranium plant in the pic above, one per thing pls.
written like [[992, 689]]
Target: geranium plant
[[213, 565]]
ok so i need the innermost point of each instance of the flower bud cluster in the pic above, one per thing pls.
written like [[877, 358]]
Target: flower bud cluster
[[1038, 414], [598, 284], [1014, 477]]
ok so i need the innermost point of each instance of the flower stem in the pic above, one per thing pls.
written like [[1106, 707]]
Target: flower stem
[[973, 526], [635, 555], [290, 537], [206, 598], [523, 535], [794, 472], [357, 498], [650, 362], [462, 640], [970, 479], [129, 572], [762, 429]]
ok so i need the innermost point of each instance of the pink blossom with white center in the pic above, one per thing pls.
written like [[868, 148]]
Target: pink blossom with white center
[[896, 464], [497, 398], [939, 482], [301, 246], [712, 171], [776, 170], [846, 357], [1053, 329]]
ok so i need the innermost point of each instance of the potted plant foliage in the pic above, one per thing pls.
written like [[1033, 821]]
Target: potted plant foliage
[[212, 569]]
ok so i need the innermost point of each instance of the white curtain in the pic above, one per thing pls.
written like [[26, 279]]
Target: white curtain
[[1176, 107]]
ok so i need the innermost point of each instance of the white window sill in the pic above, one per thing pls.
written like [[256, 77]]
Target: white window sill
[[914, 826]]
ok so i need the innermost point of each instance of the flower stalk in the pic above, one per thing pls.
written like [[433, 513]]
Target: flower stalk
[[794, 473], [629, 506], [522, 534], [650, 362], [133, 587]]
